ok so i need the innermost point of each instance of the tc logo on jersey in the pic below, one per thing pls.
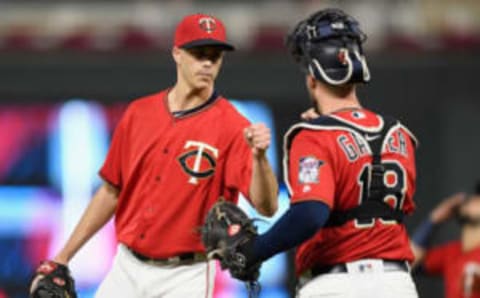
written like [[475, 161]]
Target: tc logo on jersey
[[309, 170], [199, 162]]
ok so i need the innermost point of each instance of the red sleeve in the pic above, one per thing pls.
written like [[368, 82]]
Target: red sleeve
[[111, 170], [310, 169], [238, 166], [409, 204], [436, 258]]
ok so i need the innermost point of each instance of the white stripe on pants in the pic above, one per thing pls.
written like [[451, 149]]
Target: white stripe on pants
[[132, 278], [376, 284]]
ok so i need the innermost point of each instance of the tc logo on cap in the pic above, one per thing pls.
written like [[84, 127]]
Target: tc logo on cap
[[207, 24]]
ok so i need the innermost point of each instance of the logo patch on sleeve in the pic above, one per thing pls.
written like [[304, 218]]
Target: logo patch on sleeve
[[309, 170]]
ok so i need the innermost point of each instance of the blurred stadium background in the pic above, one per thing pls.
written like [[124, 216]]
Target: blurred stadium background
[[68, 69]]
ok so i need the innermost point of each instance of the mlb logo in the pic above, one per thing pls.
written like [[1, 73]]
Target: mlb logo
[[309, 170], [365, 268]]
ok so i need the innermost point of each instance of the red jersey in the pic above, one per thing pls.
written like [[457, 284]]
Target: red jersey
[[171, 168], [451, 262], [331, 164]]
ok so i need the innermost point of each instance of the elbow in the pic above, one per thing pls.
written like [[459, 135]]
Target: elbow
[[313, 225], [269, 210], [315, 215], [266, 205], [272, 207]]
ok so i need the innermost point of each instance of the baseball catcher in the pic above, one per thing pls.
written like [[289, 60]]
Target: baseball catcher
[[227, 235], [350, 174], [52, 280]]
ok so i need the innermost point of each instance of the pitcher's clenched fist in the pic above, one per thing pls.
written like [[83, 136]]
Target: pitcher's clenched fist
[[258, 137]]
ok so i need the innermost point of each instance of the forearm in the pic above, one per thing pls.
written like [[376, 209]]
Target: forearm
[[418, 254], [421, 239], [98, 213], [301, 222], [263, 187]]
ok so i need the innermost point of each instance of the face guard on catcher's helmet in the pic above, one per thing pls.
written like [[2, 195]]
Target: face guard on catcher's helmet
[[328, 45]]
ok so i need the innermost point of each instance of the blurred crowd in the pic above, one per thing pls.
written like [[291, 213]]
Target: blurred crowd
[[415, 25]]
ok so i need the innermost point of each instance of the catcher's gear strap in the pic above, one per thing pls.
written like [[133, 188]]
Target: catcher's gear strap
[[376, 138]]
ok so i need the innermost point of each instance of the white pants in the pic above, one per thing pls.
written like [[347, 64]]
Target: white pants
[[132, 278], [371, 283]]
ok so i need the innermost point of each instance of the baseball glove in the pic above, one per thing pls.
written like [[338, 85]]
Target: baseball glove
[[228, 236], [52, 280]]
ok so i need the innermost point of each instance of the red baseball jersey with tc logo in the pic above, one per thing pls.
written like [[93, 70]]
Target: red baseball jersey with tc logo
[[452, 263], [171, 168], [331, 164]]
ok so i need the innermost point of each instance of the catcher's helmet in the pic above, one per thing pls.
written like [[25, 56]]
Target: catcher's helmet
[[328, 45]]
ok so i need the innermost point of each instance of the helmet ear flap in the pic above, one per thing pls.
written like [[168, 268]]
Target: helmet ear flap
[[335, 77], [345, 65], [361, 72]]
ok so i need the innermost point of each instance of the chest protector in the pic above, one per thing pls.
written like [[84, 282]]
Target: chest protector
[[373, 206]]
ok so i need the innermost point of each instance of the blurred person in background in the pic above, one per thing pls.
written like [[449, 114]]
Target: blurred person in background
[[458, 261], [173, 154], [350, 173]]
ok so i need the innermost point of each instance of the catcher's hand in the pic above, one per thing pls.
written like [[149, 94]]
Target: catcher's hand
[[52, 280], [228, 236]]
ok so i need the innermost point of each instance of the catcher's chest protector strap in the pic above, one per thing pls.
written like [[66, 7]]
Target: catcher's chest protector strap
[[373, 206]]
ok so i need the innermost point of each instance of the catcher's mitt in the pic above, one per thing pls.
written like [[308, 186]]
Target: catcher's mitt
[[52, 280], [228, 235]]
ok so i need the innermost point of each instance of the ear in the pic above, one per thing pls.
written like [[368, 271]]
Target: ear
[[176, 54], [310, 82]]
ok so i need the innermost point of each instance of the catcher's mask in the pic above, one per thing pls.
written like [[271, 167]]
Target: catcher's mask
[[328, 45]]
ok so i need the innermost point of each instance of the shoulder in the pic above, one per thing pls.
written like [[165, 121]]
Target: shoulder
[[227, 113], [408, 132], [362, 120], [307, 132], [365, 122], [143, 107], [323, 125], [145, 103]]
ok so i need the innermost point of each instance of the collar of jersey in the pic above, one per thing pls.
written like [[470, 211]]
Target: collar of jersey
[[211, 100], [349, 109]]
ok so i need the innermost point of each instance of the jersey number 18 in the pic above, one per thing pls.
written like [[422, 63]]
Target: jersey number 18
[[394, 180]]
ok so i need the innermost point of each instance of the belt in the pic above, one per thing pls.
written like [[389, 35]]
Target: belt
[[388, 266], [185, 258]]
